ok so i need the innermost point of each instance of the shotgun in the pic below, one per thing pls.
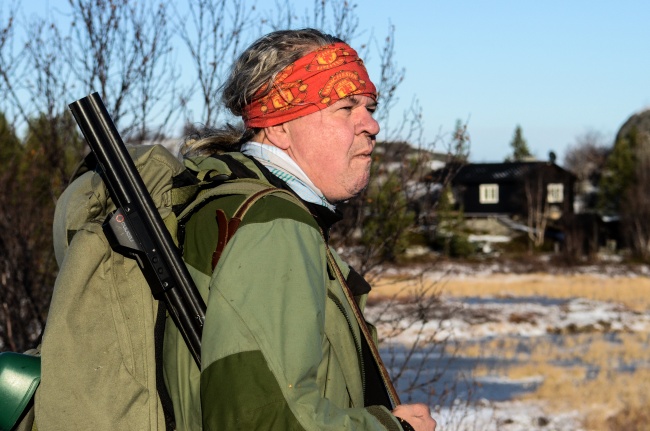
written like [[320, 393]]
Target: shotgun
[[136, 229]]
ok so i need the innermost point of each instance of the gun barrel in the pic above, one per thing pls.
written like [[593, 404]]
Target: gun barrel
[[157, 255]]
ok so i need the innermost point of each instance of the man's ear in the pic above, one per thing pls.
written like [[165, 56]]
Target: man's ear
[[279, 136]]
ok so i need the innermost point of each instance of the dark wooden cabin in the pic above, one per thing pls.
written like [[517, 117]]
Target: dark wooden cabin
[[511, 188]]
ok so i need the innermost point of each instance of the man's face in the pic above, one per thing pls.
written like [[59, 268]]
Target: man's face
[[333, 146]]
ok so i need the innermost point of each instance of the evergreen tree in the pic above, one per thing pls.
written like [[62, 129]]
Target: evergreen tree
[[388, 220], [450, 223], [624, 191], [53, 148], [32, 176], [9, 143], [618, 174], [460, 142], [520, 150]]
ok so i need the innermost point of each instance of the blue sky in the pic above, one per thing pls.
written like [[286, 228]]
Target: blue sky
[[557, 68]]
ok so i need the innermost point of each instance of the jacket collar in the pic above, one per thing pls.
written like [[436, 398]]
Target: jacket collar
[[323, 215]]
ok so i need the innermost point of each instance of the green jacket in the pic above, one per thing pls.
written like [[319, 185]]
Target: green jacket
[[280, 349]]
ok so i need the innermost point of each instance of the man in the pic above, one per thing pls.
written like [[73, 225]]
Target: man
[[283, 345]]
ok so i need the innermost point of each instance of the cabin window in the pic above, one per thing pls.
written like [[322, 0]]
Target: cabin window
[[489, 194], [555, 193]]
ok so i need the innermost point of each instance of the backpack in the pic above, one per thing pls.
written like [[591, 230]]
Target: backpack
[[102, 346]]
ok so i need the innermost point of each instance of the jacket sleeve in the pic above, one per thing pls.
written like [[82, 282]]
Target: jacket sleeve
[[264, 339]]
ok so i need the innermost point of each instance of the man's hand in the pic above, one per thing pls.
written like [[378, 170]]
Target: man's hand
[[417, 415]]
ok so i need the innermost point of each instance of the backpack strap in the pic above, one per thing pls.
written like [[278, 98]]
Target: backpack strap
[[227, 228], [223, 175], [393, 397], [165, 399]]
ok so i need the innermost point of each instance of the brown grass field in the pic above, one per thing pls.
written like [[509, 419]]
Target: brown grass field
[[633, 292], [609, 399]]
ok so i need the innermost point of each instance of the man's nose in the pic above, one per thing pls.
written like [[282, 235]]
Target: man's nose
[[368, 124]]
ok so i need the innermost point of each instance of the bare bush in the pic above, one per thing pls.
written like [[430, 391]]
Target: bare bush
[[119, 48], [213, 32], [122, 49], [419, 352], [537, 211]]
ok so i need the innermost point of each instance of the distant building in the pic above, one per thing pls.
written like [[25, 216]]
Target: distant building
[[513, 188], [530, 196]]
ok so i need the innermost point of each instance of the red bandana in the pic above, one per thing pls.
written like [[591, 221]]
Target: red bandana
[[310, 84]]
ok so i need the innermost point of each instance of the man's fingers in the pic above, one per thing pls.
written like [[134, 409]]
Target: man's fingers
[[417, 415]]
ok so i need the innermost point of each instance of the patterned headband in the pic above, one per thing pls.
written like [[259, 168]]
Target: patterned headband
[[310, 84]]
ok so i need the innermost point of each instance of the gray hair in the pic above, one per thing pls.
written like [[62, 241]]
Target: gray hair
[[255, 68]]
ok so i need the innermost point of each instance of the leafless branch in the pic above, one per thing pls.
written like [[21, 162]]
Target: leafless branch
[[213, 32]]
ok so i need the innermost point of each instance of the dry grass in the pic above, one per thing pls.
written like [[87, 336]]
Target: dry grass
[[583, 371], [582, 374], [633, 292]]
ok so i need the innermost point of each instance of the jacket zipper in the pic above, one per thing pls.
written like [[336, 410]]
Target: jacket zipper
[[357, 345]]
